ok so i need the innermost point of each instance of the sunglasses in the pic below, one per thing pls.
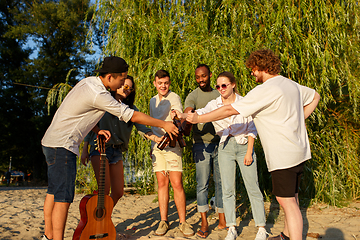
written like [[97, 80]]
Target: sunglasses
[[127, 88], [223, 86]]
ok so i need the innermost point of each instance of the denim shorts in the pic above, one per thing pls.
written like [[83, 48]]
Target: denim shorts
[[167, 160], [112, 154], [61, 173]]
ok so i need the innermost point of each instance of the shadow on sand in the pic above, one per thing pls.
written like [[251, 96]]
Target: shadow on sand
[[146, 223]]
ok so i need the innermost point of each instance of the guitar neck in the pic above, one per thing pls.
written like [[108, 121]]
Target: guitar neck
[[101, 193]]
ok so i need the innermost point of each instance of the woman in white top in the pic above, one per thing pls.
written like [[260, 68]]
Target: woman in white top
[[236, 146]]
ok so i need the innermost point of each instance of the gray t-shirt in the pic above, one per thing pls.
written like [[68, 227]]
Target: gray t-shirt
[[202, 132]]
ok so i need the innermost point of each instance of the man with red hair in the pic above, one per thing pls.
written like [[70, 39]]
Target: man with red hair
[[279, 107]]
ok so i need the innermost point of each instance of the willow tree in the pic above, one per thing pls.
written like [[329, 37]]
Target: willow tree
[[317, 41]]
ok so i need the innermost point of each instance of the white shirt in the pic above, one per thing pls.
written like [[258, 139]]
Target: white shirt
[[277, 107], [161, 109], [80, 111], [236, 125]]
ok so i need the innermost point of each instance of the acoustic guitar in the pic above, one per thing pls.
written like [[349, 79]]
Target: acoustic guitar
[[95, 210]]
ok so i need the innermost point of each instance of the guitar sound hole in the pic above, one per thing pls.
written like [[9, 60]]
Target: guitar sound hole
[[99, 213], [98, 236]]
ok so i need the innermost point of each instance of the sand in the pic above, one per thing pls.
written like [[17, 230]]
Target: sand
[[21, 217]]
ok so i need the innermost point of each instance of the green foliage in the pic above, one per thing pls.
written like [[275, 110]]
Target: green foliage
[[85, 177], [58, 92], [57, 31], [144, 178], [19, 106], [317, 41]]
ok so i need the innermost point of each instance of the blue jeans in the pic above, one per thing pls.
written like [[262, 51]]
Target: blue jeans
[[61, 173], [231, 152], [113, 155], [205, 155]]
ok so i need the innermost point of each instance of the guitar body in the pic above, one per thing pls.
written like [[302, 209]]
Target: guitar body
[[95, 210], [92, 226]]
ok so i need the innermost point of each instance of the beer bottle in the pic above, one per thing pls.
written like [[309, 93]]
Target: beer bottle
[[180, 139], [164, 141], [187, 126]]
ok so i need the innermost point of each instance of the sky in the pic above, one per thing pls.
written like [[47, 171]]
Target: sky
[[32, 44]]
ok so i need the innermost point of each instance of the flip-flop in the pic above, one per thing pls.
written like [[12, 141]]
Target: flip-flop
[[202, 234]]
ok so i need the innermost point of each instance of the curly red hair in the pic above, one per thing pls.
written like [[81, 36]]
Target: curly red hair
[[264, 60]]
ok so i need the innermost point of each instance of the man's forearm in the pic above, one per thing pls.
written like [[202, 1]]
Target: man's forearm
[[144, 119], [218, 114]]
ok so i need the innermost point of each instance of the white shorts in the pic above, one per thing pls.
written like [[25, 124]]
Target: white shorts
[[167, 160]]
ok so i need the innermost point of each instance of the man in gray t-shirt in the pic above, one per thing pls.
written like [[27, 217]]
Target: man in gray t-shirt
[[205, 143]]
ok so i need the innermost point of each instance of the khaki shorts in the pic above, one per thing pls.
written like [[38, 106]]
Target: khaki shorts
[[167, 160]]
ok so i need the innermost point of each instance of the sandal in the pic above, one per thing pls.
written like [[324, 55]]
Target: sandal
[[202, 234]]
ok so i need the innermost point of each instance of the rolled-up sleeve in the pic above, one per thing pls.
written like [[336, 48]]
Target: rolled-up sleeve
[[251, 129], [110, 105], [190, 101], [208, 108], [307, 94], [176, 103]]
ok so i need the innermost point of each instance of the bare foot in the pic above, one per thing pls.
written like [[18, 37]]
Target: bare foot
[[204, 230], [222, 221], [221, 227]]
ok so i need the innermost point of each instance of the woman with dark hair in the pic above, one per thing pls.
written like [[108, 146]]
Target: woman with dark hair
[[127, 92], [120, 135]]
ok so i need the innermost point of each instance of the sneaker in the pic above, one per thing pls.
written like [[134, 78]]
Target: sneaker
[[261, 234], [232, 234], [44, 237], [186, 229], [162, 229]]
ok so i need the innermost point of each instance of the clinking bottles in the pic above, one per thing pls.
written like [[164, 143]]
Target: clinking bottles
[[179, 138], [187, 126]]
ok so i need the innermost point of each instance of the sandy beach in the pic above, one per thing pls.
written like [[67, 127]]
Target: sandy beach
[[21, 217]]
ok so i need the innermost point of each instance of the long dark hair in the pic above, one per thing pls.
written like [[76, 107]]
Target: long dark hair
[[131, 98]]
